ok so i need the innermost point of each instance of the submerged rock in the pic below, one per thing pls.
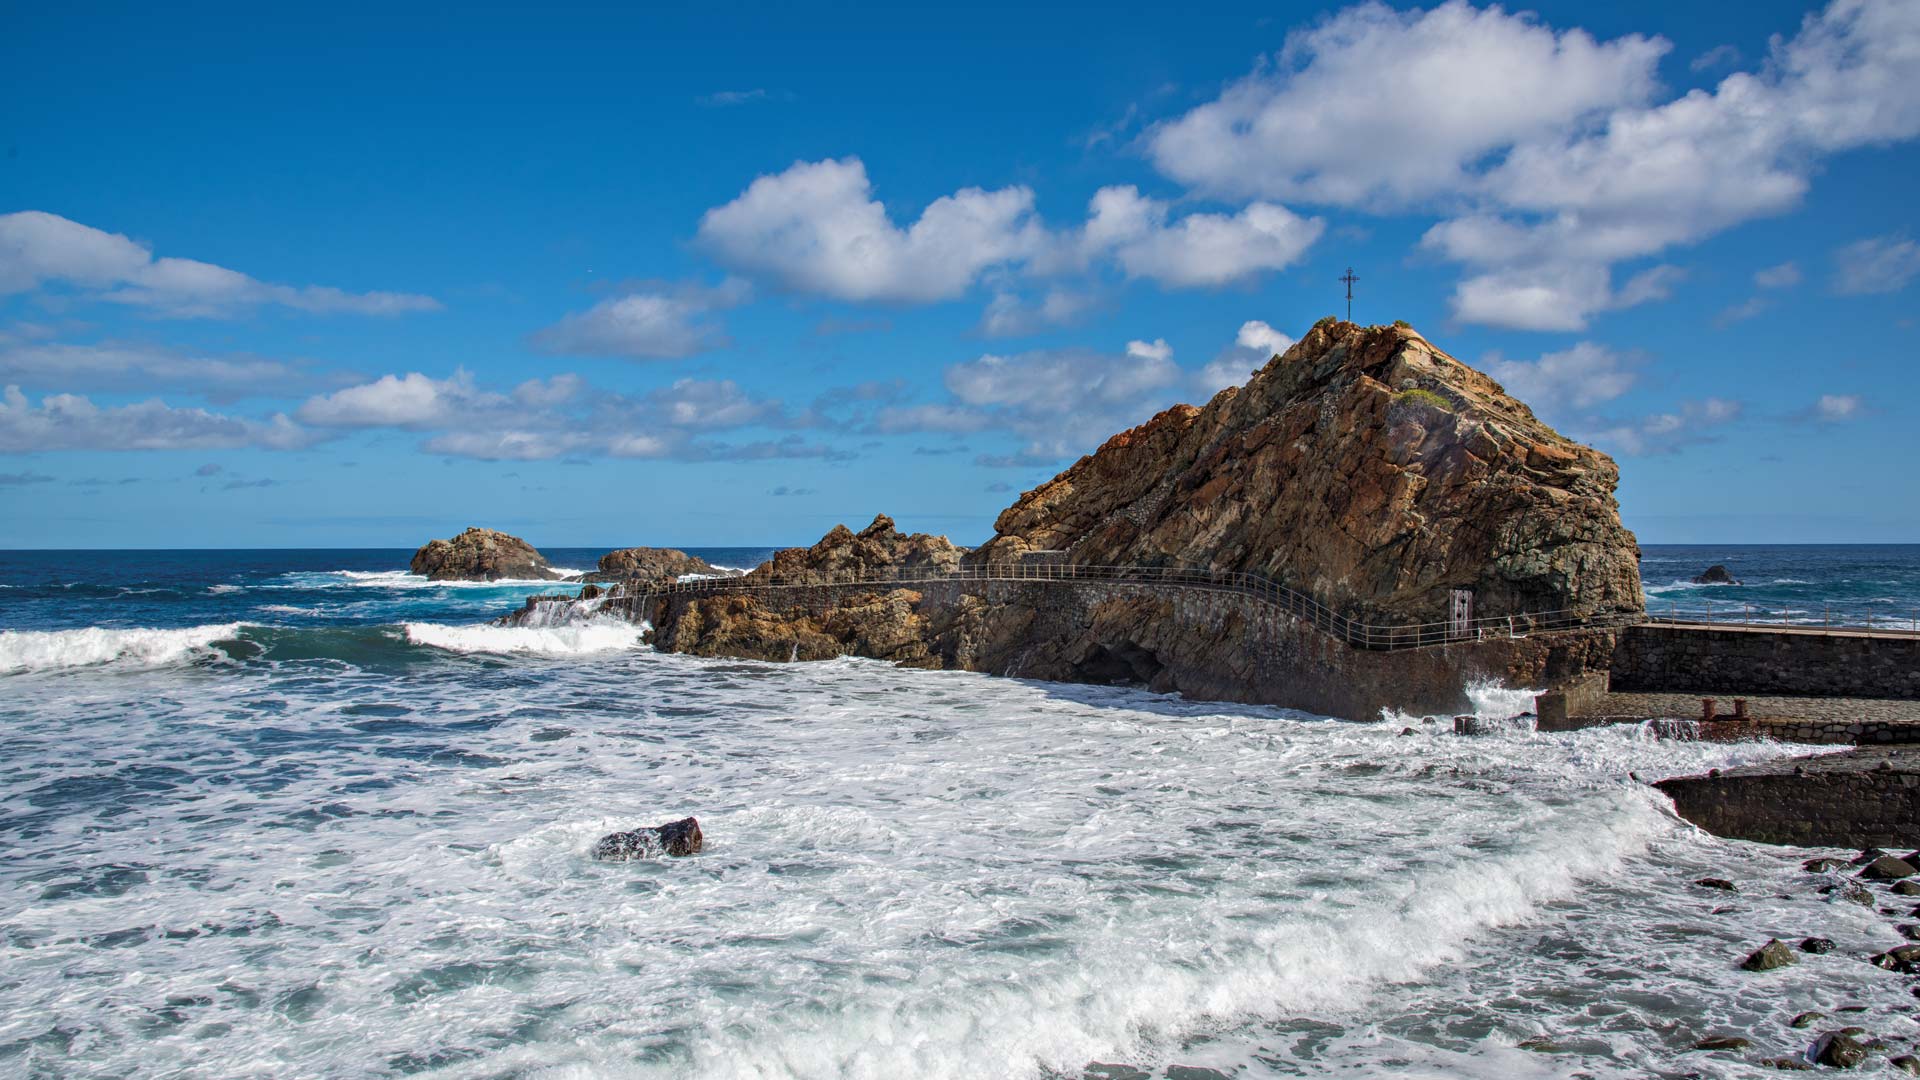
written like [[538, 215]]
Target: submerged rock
[[1716, 575], [1774, 954], [1722, 1042], [481, 555], [1822, 866], [1717, 883], [1815, 945], [681, 837], [1809, 1018]]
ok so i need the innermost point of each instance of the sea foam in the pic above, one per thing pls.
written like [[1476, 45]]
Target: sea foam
[[575, 639], [52, 650]]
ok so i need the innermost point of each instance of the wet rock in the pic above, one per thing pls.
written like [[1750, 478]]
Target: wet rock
[[1100, 1070], [481, 555], [1816, 945], [1852, 891], [1838, 1049], [1906, 1063], [1907, 888], [1774, 954], [1715, 575], [1904, 959], [1868, 856], [681, 837], [1722, 1042], [1539, 1044], [1716, 883], [1807, 1019], [1787, 1064], [1821, 866], [1405, 731], [1887, 868], [1910, 931], [645, 564]]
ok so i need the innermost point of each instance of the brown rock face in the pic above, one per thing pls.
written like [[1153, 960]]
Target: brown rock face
[[1364, 467], [877, 547], [649, 564], [481, 555]]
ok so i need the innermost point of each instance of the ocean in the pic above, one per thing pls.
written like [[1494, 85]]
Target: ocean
[[299, 813]]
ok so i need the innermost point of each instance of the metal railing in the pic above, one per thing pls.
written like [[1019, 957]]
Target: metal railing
[[1292, 602], [1852, 617]]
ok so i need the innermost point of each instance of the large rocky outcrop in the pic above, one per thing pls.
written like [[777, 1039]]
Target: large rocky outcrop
[[884, 623], [648, 564], [482, 555], [1364, 467]]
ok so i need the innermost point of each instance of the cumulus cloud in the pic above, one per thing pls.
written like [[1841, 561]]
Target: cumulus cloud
[[1384, 108], [817, 228], [1693, 423], [1252, 347], [1834, 409], [1581, 377], [1880, 264], [1198, 250], [1008, 315], [39, 249], [73, 422], [657, 324]]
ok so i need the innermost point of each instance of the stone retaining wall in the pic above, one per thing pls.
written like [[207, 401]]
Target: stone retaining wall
[[1652, 657], [1865, 798]]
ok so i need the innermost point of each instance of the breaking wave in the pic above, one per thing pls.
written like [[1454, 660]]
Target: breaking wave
[[573, 639], [52, 650]]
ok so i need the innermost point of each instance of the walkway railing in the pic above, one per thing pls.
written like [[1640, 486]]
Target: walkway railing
[[1354, 632]]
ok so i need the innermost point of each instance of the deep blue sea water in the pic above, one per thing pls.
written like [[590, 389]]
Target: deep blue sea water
[[299, 813]]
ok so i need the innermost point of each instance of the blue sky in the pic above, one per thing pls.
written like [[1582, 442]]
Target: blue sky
[[336, 277]]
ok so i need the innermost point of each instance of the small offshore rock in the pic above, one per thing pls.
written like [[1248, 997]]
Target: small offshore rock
[[1838, 1049], [1887, 868], [1774, 954], [1904, 959], [1816, 945], [1715, 575], [1807, 1019], [1907, 888], [1716, 883], [1821, 866], [674, 838], [1722, 1042]]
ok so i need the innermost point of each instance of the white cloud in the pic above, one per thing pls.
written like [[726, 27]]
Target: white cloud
[[1007, 315], [412, 401], [38, 249], [1783, 276], [1262, 339], [1834, 408], [1198, 250], [1693, 423], [1880, 264], [1580, 377], [119, 367], [73, 422], [1378, 107], [1720, 56], [817, 228], [646, 325], [1741, 312]]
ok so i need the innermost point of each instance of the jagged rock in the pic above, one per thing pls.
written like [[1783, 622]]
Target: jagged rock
[[481, 555], [1717, 883], [1839, 1050], [1773, 954], [1821, 866], [650, 565], [681, 837], [1816, 945], [1722, 1042], [1716, 575], [1324, 473]]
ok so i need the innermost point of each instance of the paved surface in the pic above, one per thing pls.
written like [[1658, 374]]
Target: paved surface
[[1823, 709]]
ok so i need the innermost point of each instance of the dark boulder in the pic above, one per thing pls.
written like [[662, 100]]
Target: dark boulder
[[1816, 945], [1851, 891], [1868, 856], [1904, 959], [1773, 954], [1716, 883], [1722, 1042], [674, 838], [1839, 1050], [1806, 1019], [1821, 866], [1887, 868], [1906, 888], [1906, 1063], [1716, 575], [481, 555]]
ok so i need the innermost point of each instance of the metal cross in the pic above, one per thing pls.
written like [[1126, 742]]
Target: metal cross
[[1349, 279]]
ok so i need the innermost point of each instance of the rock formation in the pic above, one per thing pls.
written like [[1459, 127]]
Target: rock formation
[[1716, 575], [649, 564], [1364, 467], [481, 555], [677, 838]]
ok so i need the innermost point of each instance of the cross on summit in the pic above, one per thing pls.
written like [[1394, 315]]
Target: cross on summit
[[1349, 278]]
